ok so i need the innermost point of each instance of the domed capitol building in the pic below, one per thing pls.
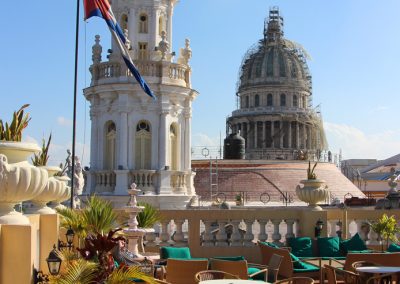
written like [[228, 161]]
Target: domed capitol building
[[275, 115]]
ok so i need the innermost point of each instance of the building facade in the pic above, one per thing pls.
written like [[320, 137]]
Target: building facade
[[133, 137], [275, 112]]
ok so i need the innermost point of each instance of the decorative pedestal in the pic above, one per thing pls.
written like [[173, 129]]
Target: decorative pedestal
[[133, 232], [313, 192]]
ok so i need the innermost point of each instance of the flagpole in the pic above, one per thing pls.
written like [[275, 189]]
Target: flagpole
[[74, 111]]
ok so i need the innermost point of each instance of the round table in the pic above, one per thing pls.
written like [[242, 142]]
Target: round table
[[378, 269], [228, 281]]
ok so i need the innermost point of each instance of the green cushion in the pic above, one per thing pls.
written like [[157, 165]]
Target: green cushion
[[353, 244], [230, 258], [393, 248], [301, 247], [268, 244], [305, 267], [329, 247], [252, 270], [174, 252]]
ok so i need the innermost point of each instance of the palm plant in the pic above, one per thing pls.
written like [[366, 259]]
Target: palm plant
[[13, 131], [98, 217], [310, 172], [149, 216], [42, 158]]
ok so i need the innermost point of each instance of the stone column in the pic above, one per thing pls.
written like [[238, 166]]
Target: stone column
[[273, 133], [123, 143], [290, 135], [297, 135], [281, 134], [255, 135], [162, 146], [263, 236], [245, 130], [188, 141], [169, 24], [264, 135], [94, 157]]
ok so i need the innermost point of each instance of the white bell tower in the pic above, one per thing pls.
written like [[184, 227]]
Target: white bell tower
[[133, 138]]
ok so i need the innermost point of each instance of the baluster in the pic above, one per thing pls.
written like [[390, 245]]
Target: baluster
[[221, 236], [276, 236], [332, 228], [248, 236], [263, 236], [147, 179], [164, 236], [236, 237], [179, 237], [289, 224], [208, 238], [151, 239]]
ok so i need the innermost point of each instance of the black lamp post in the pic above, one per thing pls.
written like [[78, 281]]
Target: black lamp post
[[53, 262], [318, 228]]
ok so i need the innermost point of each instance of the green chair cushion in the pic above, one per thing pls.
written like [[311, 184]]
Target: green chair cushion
[[393, 248], [272, 245], [329, 247], [301, 247], [353, 244], [306, 267], [252, 270], [230, 258], [175, 252]]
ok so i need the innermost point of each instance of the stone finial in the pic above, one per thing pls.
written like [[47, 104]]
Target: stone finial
[[127, 42], [163, 45], [96, 50], [185, 53]]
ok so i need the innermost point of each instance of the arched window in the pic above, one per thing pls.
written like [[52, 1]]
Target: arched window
[[269, 100], [124, 22], [143, 146], [256, 100], [295, 103], [143, 24], [160, 25], [173, 144], [110, 146], [283, 100], [247, 101]]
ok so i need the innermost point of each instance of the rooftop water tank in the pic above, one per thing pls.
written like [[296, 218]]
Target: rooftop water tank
[[234, 147]]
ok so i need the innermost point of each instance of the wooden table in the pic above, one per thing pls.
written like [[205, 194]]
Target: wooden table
[[229, 281], [376, 270]]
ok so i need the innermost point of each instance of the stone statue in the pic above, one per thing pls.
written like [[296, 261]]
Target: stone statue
[[79, 182], [185, 53], [127, 42]]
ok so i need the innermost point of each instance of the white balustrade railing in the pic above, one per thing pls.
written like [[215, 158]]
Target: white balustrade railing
[[105, 181], [178, 181], [144, 179]]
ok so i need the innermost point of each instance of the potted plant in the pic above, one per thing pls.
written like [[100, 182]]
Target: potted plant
[[19, 180], [314, 189], [11, 136], [239, 199], [386, 228], [40, 159]]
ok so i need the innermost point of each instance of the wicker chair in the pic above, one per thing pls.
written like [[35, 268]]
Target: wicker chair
[[296, 280], [161, 281], [345, 276], [182, 271], [214, 274], [239, 268]]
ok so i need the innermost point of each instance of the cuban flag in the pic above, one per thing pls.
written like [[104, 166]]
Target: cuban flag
[[102, 9]]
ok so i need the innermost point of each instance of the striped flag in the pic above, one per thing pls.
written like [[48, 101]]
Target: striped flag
[[102, 9]]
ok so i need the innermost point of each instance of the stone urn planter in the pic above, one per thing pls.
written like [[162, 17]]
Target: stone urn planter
[[19, 180], [54, 189], [65, 195], [313, 192]]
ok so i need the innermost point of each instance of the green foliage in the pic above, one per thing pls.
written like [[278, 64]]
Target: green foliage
[[310, 172], [13, 131], [78, 271], [149, 216], [42, 158], [386, 227], [97, 217], [125, 274]]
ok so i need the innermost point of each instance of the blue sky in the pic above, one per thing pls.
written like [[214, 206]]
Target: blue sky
[[354, 45]]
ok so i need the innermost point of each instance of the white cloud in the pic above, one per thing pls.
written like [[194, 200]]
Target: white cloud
[[379, 109], [64, 121], [355, 143], [201, 139]]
